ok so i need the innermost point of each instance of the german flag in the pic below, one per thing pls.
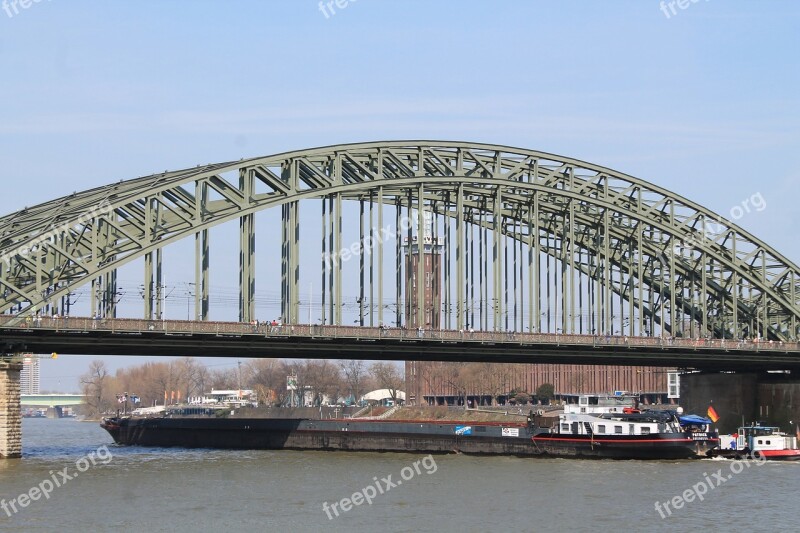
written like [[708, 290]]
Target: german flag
[[712, 414]]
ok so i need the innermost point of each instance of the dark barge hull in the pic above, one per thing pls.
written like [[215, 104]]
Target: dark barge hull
[[654, 446], [305, 434], [357, 435]]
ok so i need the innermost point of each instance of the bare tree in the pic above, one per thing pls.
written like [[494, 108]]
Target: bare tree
[[223, 379], [268, 378], [164, 376], [200, 378], [458, 376], [354, 372], [94, 387], [321, 379], [187, 372], [500, 376], [388, 376]]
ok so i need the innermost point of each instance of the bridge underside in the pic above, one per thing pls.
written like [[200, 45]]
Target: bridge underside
[[362, 343]]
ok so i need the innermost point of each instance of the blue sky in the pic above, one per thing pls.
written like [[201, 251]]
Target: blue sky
[[704, 102]]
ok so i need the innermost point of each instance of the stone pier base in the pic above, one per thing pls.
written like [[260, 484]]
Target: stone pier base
[[10, 413]]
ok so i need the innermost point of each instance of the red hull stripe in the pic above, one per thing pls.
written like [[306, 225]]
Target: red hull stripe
[[638, 441], [434, 422], [778, 453]]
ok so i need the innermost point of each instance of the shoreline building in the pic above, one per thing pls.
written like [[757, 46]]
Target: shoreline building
[[29, 377], [488, 383]]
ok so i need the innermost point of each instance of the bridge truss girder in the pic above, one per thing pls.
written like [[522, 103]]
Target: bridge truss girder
[[640, 245]]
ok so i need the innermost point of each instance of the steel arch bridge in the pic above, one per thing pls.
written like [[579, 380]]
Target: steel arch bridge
[[513, 239]]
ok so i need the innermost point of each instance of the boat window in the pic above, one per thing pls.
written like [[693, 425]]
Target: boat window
[[645, 430], [564, 427], [618, 429], [768, 442], [601, 428], [760, 441]]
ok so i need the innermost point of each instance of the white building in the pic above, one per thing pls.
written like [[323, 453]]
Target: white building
[[29, 377], [230, 398], [384, 397]]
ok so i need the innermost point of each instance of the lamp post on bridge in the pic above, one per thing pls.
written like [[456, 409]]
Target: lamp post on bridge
[[190, 293]]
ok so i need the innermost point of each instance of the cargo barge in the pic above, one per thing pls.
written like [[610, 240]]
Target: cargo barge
[[487, 438], [651, 435]]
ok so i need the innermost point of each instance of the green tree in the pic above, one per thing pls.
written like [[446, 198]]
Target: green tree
[[546, 391], [522, 398]]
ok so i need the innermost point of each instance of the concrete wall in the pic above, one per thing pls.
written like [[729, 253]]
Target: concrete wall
[[779, 403], [10, 414], [773, 399], [733, 396]]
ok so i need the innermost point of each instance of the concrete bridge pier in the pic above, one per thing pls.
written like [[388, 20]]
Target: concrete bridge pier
[[55, 412], [10, 412], [744, 397]]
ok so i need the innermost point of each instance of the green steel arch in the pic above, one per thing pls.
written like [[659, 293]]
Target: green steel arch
[[627, 255]]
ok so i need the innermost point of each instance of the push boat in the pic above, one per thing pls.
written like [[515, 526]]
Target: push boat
[[606, 428], [760, 442], [614, 426]]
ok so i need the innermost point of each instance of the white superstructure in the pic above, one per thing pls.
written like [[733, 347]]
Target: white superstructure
[[599, 403]]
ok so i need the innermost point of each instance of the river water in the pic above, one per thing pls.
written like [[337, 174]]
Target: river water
[[102, 487]]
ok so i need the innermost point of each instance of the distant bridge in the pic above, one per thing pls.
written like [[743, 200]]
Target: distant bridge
[[51, 400]]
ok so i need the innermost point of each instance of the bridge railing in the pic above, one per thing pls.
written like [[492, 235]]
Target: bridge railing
[[267, 329]]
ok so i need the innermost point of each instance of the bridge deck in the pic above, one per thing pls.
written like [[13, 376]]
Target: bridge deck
[[234, 339]]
